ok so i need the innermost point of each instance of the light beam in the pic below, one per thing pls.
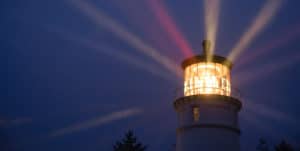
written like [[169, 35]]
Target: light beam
[[167, 22], [263, 18], [101, 19], [267, 69], [286, 36], [118, 55], [211, 16], [130, 59], [262, 110], [95, 122]]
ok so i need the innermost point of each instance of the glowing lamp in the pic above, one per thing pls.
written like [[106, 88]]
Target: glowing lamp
[[207, 74], [208, 111]]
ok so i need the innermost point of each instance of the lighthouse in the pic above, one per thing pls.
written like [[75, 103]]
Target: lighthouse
[[208, 110]]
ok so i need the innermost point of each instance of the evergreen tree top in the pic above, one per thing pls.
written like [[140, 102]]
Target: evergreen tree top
[[129, 143]]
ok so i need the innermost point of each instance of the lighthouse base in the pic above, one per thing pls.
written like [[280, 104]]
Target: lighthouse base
[[208, 123], [212, 138]]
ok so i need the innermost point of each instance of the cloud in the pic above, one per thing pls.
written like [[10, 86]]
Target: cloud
[[96, 122]]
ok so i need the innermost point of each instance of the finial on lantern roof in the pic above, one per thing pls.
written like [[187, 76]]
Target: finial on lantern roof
[[206, 44]]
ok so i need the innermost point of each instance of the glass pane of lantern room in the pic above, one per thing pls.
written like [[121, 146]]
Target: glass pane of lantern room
[[207, 78]]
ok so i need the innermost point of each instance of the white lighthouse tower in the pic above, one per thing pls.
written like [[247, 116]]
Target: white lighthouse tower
[[208, 112]]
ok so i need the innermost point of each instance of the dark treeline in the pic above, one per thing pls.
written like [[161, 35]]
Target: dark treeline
[[282, 146], [131, 143]]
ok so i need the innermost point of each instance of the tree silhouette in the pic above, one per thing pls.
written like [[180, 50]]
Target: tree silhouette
[[262, 146], [129, 143], [283, 146]]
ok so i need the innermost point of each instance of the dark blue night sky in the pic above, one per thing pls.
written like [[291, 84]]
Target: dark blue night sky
[[69, 83]]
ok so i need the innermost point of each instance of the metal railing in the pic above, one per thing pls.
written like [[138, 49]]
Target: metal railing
[[234, 92]]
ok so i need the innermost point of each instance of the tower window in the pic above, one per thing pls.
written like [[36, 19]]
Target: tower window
[[196, 113]]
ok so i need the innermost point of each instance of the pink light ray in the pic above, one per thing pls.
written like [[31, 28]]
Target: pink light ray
[[167, 22], [147, 23], [264, 70]]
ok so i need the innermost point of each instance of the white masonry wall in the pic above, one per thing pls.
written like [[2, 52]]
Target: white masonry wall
[[216, 130]]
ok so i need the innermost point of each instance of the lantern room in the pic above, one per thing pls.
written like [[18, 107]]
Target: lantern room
[[207, 74]]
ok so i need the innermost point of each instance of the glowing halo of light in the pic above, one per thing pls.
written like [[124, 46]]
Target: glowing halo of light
[[207, 78]]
